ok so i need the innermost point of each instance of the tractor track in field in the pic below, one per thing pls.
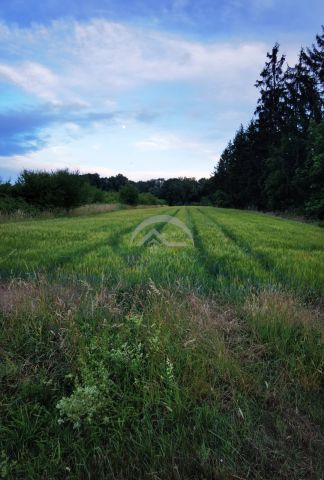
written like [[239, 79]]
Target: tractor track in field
[[264, 261], [111, 241], [210, 265], [72, 255], [213, 267], [53, 268], [134, 258]]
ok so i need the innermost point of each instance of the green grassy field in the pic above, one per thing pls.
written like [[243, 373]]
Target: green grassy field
[[233, 250], [128, 361]]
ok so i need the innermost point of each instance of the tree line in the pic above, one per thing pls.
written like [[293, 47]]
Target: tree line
[[63, 190], [277, 161], [174, 191]]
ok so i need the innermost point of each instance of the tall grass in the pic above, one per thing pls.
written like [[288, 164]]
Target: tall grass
[[152, 383], [125, 361]]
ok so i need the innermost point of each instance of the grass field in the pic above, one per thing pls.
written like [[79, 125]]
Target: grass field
[[128, 361], [233, 251]]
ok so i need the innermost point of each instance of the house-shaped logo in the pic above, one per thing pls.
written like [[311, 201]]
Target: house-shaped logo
[[154, 237]]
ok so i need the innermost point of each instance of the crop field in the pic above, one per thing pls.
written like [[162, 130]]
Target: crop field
[[231, 250], [180, 347]]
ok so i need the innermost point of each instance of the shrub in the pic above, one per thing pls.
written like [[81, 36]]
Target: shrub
[[59, 189], [10, 205], [129, 194], [111, 197], [149, 199]]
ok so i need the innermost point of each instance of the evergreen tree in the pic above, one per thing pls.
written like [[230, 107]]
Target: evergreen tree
[[271, 104], [277, 162], [314, 171], [314, 59]]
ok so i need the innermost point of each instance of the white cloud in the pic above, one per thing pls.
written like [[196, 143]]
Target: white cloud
[[84, 66], [100, 57], [59, 157], [52, 158], [33, 78], [165, 141], [72, 127]]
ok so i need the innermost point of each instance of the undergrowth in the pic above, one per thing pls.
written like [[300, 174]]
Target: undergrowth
[[101, 383]]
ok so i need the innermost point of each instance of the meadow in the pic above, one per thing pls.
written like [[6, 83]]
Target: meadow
[[125, 360]]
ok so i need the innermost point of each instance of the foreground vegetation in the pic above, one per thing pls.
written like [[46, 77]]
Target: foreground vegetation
[[125, 361]]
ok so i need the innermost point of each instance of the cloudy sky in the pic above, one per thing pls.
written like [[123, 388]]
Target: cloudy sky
[[147, 88]]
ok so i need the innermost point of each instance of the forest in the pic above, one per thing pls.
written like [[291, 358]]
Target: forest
[[277, 161]]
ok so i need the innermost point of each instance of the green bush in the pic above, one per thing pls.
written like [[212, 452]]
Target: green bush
[[129, 194], [59, 189], [149, 199], [111, 197], [10, 205]]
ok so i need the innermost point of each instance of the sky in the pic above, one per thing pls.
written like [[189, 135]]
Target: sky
[[146, 88]]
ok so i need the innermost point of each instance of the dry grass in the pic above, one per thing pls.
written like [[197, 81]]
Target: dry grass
[[223, 391], [18, 296], [285, 306], [95, 208]]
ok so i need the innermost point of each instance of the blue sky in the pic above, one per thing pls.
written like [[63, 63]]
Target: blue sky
[[145, 88]]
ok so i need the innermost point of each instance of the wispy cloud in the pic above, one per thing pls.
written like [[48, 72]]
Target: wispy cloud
[[51, 158], [102, 57], [32, 77], [81, 77], [78, 68], [167, 141], [27, 130]]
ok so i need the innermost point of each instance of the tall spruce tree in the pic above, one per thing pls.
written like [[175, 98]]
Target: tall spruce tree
[[277, 162], [271, 114], [315, 170], [314, 59], [269, 111]]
